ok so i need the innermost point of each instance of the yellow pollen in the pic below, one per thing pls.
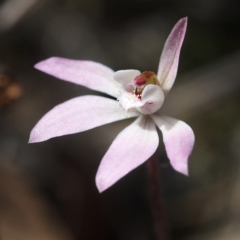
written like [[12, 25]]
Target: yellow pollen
[[142, 80]]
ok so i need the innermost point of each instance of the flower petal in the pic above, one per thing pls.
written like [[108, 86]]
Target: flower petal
[[152, 99], [129, 101], [133, 146], [89, 74], [77, 115], [125, 76], [168, 65], [178, 138]]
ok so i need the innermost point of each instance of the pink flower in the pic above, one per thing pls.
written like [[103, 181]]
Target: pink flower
[[138, 95]]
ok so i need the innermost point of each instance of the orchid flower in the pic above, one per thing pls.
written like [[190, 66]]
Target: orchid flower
[[137, 94]]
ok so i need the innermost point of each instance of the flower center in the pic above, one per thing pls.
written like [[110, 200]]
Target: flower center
[[142, 80]]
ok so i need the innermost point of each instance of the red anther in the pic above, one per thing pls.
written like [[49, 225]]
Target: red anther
[[148, 74], [140, 81]]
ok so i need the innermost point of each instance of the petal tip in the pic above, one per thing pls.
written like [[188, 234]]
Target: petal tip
[[100, 190], [182, 168], [38, 65], [183, 21], [182, 24], [185, 171], [35, 137], [32, 139], [44, 63], [100, 184]]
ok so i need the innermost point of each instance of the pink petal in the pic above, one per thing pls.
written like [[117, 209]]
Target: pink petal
[[152, 99], [77, 115], [132, 147], [178, 138], [168, 65], [125, 76], [86, 73]]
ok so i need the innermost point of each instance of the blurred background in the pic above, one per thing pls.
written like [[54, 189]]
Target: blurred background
[[47, 190]]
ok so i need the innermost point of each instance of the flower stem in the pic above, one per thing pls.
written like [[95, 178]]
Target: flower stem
[[158, 209]]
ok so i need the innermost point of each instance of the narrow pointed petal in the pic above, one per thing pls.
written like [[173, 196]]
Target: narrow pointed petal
[[89, 74], [132, 147], [178, 138], [77, 115], [152, 99], [168, 64], [125, 76]]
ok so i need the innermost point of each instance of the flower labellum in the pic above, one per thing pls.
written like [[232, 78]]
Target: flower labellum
[[138, 95]]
